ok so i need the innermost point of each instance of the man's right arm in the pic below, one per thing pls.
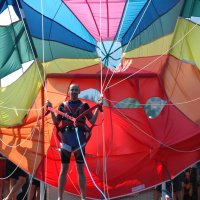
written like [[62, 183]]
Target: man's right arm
[[54, 118]]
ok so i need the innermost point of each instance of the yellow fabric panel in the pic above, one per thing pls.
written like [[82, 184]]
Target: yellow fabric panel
[[19, 95], [187, 37], [157, 47], [64, 65]]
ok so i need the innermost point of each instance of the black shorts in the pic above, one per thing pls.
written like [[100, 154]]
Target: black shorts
[[36, 182], [10, 167], [66, 155], [177, 182], [2, 167]]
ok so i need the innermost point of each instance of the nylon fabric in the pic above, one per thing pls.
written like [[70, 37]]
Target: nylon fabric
[[55, 24], [153, 12], [131, 149], [64, 65], [191, 8], [14, 48], [59, 50], [186, 49], [158, 29], [29, 84], [88, 11]]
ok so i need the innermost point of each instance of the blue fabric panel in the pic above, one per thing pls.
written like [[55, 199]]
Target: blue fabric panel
[[157, 29], [155, 9], [131, 11], [59, 24], [4, 4]]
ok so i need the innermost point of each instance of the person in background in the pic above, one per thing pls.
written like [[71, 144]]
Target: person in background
[[35, 190], [2, 166], [17, 179], [198, 179], [178, 186]]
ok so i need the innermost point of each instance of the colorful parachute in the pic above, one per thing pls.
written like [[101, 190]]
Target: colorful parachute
[[126, 50]]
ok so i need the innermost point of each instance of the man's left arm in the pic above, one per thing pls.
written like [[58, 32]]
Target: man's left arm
[[94, 116]]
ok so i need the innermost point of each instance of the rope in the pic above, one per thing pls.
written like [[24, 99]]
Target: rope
[[160, 104], [33, 130], [101, 53], [22, 155], [151, 61], [155, 138], [76, 129], [31, 48], [130, 40]]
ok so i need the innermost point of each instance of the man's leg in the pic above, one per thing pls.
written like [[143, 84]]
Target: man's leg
[[6, 187], [37, 195], [1, 186], [32, 191], [157, 191], [16, 187], [62, 180], [81, 179], [179, 195]]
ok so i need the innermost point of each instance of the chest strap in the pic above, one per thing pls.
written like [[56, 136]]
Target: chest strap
[[69, 109]]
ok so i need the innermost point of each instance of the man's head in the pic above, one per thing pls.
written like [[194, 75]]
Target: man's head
[[74, 91]]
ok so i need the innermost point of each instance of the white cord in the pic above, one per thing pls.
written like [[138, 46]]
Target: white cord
[[155, 138], [76, 129], [153, 60]]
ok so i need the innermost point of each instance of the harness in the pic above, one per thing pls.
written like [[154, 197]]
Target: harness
[[73, 112], [73, 121], [69, 124]]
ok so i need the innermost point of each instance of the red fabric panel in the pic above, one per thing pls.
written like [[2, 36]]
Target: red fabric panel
[[133, 142]]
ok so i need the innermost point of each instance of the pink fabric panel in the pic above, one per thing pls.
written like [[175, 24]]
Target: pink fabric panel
[[88, 13]]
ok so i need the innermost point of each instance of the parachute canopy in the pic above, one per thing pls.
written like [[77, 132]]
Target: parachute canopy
[[137, 54]]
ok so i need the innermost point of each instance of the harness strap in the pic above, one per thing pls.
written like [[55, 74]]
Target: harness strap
[[66, 146], [72, 118], [61, 113], [68, 108], [88, 110], [67, 123], [75, 122]]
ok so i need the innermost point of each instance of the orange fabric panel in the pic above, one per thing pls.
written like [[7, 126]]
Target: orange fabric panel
[[33, 148], [181, 82], [151, 63]]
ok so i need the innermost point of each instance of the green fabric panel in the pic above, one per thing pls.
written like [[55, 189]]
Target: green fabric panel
[[14, 48], [191, 8], [196, 9], [25, 43], [162, 26], [10, 60], [53, 50]]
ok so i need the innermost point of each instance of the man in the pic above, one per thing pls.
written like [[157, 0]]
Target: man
[[73, 107]]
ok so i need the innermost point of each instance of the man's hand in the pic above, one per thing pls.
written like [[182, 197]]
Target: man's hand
[[100, 100], [48, 104]]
